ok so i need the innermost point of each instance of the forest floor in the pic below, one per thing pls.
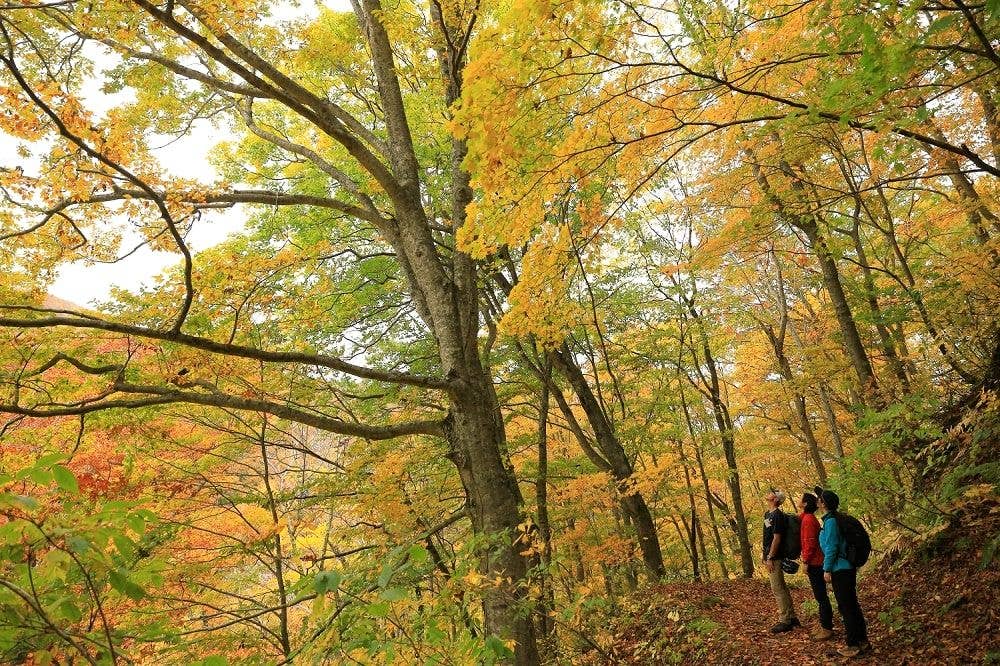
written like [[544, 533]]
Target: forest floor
[[938, 605]]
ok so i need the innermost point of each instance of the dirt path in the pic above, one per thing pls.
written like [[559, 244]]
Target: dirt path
[[942, 608]]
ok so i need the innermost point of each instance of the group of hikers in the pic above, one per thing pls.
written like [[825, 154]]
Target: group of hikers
[[829, 557]]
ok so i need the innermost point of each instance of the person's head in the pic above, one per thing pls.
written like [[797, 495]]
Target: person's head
[[829, 500], [809, 503], [774, 498]]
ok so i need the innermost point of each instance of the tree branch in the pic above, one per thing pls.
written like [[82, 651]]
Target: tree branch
[[241, 351]]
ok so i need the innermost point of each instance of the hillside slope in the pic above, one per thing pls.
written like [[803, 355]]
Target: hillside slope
[[937, 605]]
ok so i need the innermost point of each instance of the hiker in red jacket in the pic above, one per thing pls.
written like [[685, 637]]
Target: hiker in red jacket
[[812, 558]]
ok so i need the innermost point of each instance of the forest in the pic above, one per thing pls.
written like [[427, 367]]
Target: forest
[[528, 306]]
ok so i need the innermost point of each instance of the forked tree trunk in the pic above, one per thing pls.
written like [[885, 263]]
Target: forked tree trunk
[[727, 434], [633, 503], [447, 299]]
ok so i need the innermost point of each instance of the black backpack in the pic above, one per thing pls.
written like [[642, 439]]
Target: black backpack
[[857, 542], [792, 541]]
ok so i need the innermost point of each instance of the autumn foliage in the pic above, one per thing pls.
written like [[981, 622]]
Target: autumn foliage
[[529, 304]]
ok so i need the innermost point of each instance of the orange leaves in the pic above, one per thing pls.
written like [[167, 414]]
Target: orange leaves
[[595, 488], [18, 117], [100, 470]]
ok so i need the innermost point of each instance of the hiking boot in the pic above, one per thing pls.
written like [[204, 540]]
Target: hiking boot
[[795, 622], [821, 634], [851, 651], [782, 627]]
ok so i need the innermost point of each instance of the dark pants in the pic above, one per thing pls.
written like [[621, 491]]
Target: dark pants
[[845, 589], [818, 585]]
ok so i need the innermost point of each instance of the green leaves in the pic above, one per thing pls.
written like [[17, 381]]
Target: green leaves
[[940, 25], [497, 649], [388, 569], [327, 581], [418, 554], [393, 594], [137, 522], [45, 469], [66, 609], [18, 501], [69, 550], [214, 660], [120, 581], [378, 609], [65, 479]]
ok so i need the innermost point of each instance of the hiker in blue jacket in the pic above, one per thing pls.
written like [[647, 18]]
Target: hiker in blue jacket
[[838, 571]]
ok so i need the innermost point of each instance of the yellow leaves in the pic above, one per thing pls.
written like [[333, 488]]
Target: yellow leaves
[[473, 579], [272, 529], [540, 304], [976, 500], [649, 481], [227, 15], [981, 491]]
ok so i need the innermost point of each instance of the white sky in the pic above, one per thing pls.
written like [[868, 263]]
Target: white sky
[[84, 284]]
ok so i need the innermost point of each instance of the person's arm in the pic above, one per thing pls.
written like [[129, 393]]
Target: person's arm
[[809, 531], [780, 527], [763, 540], [775, 546], [775, 543], [829, 541]]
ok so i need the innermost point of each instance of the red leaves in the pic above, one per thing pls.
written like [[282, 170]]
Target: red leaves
[[100, 473]]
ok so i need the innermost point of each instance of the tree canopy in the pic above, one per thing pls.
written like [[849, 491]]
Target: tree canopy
[[530, 303]]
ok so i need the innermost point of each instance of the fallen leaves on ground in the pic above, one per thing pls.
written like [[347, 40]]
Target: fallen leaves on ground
[[938, 606]]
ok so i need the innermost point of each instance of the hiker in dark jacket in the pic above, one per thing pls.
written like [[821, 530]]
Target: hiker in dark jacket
[[838, 571], [775, 530], [812, 558]]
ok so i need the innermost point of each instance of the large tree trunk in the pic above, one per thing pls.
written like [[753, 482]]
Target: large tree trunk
[[806, 223], [726, 431], [886, 340], [845, 318], [493, 502]]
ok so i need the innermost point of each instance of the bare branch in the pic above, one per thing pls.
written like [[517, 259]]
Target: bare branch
[[327, 423], [9, 61], [241, 351]]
